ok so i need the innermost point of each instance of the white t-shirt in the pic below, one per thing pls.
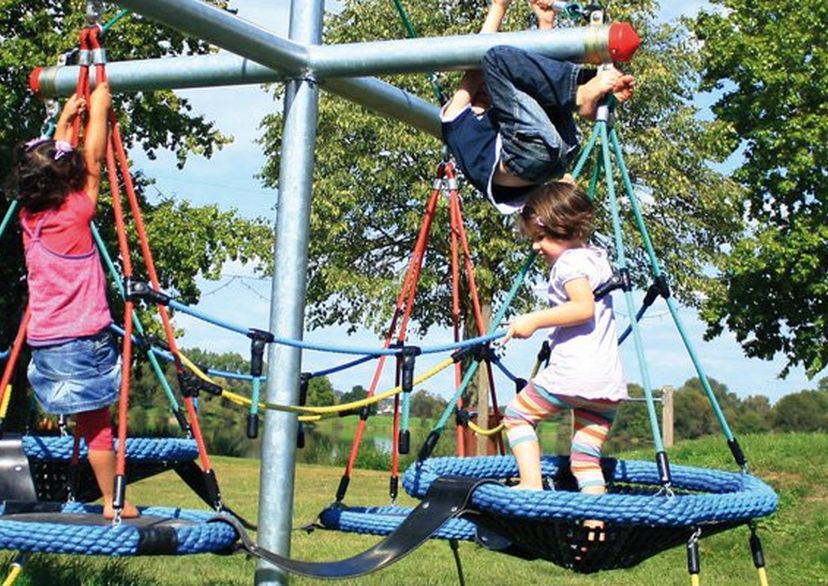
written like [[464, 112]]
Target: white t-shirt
[[584, 360]]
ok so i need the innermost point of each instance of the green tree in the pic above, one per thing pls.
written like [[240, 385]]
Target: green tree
[[357, 393], [372, 177], [771, 66], [186, 241], [320, 392], [426, 405], [803, 411]]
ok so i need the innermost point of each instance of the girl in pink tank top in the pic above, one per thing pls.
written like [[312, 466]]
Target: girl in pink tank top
[[75, 366]]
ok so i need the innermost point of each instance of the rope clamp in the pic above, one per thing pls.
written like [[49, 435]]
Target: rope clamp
[[84, 58], [99, 56], [140, 290]]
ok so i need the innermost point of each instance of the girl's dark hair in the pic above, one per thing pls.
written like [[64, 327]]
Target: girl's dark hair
[[560, 210], [43, 181]]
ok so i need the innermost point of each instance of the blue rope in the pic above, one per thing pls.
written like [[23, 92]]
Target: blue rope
[[505, 370], [344, 366]]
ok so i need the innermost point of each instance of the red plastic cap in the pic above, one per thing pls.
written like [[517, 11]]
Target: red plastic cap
[[34, 80], [623, 41]]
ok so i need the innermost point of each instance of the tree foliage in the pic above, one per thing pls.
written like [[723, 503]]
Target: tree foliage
[[770, 64], [186, 240], [372, 176], [320, 392]]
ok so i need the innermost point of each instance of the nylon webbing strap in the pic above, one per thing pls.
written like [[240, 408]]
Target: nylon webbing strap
[[448, 497]]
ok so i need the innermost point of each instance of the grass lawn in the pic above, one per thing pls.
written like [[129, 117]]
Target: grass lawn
[[795, 539]]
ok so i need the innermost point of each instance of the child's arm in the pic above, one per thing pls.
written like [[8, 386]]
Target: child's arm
[[473, 80], [579, 309], [97, 135], [544, 13], [73, 107]]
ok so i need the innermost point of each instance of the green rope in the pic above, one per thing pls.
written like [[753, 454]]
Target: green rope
[[9, 213], [112, 21], [439, 94]]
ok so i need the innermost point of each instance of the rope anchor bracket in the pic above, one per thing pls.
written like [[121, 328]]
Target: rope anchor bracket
[[140, 290]]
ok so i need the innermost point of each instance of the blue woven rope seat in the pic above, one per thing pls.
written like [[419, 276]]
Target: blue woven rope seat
[[385, 520], [139, 449], [640, 520], [73, 528]]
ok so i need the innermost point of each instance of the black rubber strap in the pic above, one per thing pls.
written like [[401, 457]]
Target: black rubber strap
[[448, 497]]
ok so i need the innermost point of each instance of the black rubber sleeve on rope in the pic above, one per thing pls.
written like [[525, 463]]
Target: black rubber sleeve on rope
[[664, 475], [448, 497], [182, 422], [259, 339], [119, 492], [737, 452], [213, 492], [693, 562], [405, 441], [157, 540], [343, 488], [252, 426], [394, 487], [756, 549], [428, 446]]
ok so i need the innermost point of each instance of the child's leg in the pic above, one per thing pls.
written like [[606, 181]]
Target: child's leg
[[527, 409], [533, 98], [592, 424], [97, 431]]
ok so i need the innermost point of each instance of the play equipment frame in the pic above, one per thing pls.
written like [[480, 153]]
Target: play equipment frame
[[305, 65]]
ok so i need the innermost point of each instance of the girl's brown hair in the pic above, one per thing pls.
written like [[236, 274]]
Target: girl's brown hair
[[45, 175], [560, 210]]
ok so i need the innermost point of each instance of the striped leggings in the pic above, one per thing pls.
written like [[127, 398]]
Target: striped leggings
[[593, 418]]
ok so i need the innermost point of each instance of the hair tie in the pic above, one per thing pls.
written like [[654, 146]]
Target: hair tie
[[62, 148], [35, 142], [540, 222]]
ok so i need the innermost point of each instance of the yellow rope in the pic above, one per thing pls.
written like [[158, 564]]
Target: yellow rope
[[694, 580], [4, 407], [480, 431], [16, 570], [315, 413], [763, 576]]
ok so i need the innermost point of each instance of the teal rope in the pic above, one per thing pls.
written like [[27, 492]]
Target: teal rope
[[112, 21], [671, 305], [9, 213], [584, 157], [621, 262], [116, 278]]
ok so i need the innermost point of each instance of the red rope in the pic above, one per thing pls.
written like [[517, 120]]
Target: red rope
[[11, 361]]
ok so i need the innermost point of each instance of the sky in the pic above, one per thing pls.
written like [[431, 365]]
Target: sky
[[229, 180]]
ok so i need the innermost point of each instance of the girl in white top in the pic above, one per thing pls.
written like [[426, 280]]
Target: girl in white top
[[584, 373]]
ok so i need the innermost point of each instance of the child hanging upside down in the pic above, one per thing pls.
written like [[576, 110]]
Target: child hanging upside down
[[511, 127], [584, 373], [75, 367]]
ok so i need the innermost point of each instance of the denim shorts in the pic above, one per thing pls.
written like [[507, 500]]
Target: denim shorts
[[83, 374]]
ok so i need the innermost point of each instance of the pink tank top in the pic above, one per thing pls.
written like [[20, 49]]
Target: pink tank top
[[67, 292]]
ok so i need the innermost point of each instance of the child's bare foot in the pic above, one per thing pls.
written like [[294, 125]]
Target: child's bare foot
[[129, 511], [592, 92]]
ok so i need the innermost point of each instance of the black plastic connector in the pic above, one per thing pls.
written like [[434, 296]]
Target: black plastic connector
[[607, 287], [135, 290], [459, 354], [259, 339], [545, 352], [626, 280], [252, 426], [462, 417], [409, 357], [520, 383], [404, 441], [192, 385]]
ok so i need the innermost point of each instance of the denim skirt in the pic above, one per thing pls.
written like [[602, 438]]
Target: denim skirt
[[83, 374]]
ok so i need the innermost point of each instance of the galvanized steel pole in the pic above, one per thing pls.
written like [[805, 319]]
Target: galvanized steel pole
[[227, 69], [287, 305]]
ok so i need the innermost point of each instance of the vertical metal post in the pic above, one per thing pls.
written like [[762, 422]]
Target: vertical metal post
[[288, 297]]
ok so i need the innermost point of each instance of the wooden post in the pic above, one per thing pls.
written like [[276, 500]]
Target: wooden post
[[667, 416]]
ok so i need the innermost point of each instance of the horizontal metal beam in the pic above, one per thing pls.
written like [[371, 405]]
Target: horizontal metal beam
[[225, 30], [226, 69], [583, 45], [594, 44]]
